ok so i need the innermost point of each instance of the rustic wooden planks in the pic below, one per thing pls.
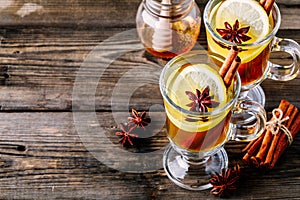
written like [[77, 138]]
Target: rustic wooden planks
[[42, 155], [39, 72]]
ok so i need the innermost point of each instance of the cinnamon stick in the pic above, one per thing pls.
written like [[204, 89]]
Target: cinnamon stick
[[262, 2], [249, 145], [255, 162], [252, 147], [268, 5], [228, 61], [264, 146], [246, 158], [231, 71]]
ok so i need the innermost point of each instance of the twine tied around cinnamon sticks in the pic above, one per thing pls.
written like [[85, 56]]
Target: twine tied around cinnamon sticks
[[277, 124]]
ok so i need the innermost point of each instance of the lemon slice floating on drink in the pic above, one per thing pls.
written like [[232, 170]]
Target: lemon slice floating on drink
[[248, 13], [190, 78]]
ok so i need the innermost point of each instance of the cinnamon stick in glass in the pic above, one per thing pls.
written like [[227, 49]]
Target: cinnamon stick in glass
[[262, 2], [231, 72], [230, 66], [228, 61], [268, 5]]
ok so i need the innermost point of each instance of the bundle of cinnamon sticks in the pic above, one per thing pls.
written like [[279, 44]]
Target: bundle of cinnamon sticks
[[265, 151]]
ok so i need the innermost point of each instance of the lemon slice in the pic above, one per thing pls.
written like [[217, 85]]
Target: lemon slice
[[190, 78], [249, 13]]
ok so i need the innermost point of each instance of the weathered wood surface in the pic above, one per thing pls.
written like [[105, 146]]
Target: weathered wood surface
[[42, 157], [42, 153]]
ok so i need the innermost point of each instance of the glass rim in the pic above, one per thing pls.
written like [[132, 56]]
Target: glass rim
[[275, 10], [217, 111]]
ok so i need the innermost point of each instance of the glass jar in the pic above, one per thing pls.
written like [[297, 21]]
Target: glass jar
[[167, 28]]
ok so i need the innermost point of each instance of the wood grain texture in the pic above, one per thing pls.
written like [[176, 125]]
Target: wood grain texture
[[38, 75], [98, 13], [44, 46], [42, 156]]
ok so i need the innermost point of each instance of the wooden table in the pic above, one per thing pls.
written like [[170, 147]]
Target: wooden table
[[53, 145]]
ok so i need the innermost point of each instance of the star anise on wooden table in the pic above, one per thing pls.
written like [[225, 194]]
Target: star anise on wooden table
[[201, 101], [139, 119], [234, 33], [226, 181], [126, 135]]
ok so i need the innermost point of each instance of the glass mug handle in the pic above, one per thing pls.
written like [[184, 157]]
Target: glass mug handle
[[248, 120], [285, 72]]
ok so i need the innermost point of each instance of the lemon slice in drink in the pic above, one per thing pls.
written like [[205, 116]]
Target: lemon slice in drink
[[248, 13], [190, 78]]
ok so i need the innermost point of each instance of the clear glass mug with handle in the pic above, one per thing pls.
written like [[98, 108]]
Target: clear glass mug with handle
[[256, 40], [199, 123]]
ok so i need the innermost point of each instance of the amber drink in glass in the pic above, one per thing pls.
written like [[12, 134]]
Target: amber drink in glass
[[199, 109], [246, 25]]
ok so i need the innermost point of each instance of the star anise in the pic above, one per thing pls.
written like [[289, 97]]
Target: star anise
[[126, 135], [139, 119], [235, 33], [201, 101], [226, 181]]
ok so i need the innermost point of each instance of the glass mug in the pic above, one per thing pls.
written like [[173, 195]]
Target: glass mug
[[197, 138], [255, 65]]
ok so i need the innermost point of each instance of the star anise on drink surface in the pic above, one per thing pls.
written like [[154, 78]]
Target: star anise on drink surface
[[201, 101], [139, 119], [234, 33], [126, 135], [225, 182]]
